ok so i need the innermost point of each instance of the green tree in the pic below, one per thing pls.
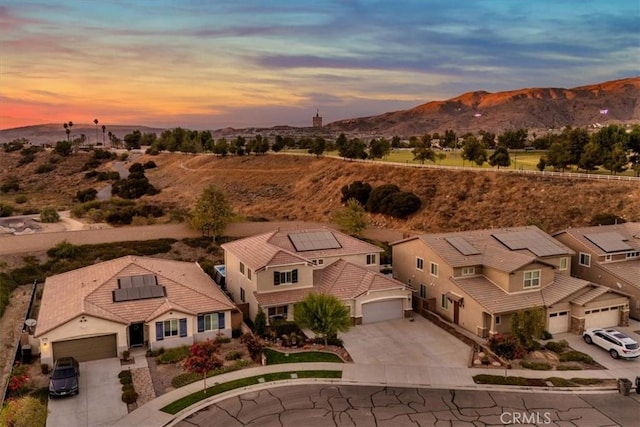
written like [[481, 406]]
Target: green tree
[[559, 155], [616, 160], [49, 215], [356, 190], [222, 147], [591, 157], [513, 139], [450, 139], [26, 411], [324, 314], [351, 218], [500, 157], [318, 146], [379, 148], [527, 325], [132, 140], [260, 322], [63, 148], [473, 150], [212, 210]]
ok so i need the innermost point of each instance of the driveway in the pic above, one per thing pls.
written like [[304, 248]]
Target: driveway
[[405, 342], [99, 402], [619, 368]]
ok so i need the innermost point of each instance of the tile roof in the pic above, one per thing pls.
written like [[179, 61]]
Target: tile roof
[[342, 279], [628, 270], [495, 300], [590, 295], [89, 290], [483, 248], [276, 247]]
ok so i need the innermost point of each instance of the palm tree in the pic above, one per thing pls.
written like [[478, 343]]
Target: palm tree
[[103, 129], [96, 123], [324, 314], [67, 131]]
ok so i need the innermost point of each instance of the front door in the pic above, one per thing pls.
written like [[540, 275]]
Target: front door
[[456, 312], [136, 334]]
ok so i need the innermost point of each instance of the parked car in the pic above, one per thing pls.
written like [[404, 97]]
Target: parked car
[[615, 342], [64, 378]]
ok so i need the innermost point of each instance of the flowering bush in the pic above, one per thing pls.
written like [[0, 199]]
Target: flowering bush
[[18, 380], [506, 347]]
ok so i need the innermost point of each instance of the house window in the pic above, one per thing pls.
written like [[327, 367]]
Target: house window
[[210, 322], [319, 261], [584, 260], [498, 320], [444, 302], [434, 269], [419, 264], [282, 277], [242, 294], [468, 271], [631, 255], [242, 269], [171, 328], [608, 257], [564, 263], [532, 279], [423, 291], [279, 312], [371, 259], [249, 273]]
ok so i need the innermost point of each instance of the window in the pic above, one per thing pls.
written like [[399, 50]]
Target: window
[[282, 277], [631, 255], [242, 295], [280, 311], [444, 302], [468, 271], [419, 264], [423, 291], [434, 269], [498, 320], [242, 269], [319, 261], [564, 263], [371, 259], [249, 273], [210, 322], [532, 279], [608, 257], [171, 328], [585, 260]]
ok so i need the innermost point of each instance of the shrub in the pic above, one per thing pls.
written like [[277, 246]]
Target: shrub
[[49, 215], [5, 209], [15, 145], [506, 347], [546, 335], [556, 347], [86, 195], [44, 368], [20, 199], [561, 382], [606, 219], [126, 380], [150, 165], [576, 356], [124, 373], [129, 397], [568, 368], [184, 379], [536, 366], [150, 210], [284, 327], [222, 339], [44, 168], [11, 184], [254, 346], [236, 333], [378, 195], [128, 387], [91, 164], [173, 355], [497, 379], [260, 323], [91, 174], [27, 158], [356, 190]]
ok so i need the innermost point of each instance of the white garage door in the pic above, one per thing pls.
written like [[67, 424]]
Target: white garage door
[[380, 311], [85, 349], [602, 317], [559, 322]]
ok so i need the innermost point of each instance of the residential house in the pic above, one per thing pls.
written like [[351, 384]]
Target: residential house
[[101, 310], [274, 270], [479, 279], [608, 255]]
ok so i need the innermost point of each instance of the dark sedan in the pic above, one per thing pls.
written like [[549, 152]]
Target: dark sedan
[[64, 379]]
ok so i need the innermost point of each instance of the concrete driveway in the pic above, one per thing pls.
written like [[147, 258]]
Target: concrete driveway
[[620, 368], [99, 402], [406, 343]]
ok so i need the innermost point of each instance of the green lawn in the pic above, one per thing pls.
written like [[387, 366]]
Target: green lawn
[[180, 404], [275, 357]]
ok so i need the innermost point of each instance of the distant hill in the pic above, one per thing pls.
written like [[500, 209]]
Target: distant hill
[[54, 132], [536, 109]]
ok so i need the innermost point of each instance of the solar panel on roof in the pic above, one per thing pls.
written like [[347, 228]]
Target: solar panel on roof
[[463, 246], [530, 240], [314, 241], [132, 288], [124, 282], [609, 241]]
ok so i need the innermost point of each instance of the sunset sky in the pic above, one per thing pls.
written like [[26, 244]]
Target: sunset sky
[[208, 64]]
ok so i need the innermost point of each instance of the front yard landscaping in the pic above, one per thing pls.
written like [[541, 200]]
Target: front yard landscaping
[[542, 382], [275, 357]]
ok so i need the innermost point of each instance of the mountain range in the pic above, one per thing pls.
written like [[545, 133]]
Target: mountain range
[[538, 110]]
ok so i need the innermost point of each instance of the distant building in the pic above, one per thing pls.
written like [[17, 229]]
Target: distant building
[[317, 120]]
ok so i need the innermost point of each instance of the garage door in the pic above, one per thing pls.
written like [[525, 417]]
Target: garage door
[[601, 317], [85, 349], [380, 311], [559, 322]]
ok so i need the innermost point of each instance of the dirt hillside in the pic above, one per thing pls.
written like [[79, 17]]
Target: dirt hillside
[[280, 187]]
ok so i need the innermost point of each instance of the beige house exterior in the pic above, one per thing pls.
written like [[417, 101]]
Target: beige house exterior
[[608, 255], [102, 310], [479, 279], [275, 270]]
